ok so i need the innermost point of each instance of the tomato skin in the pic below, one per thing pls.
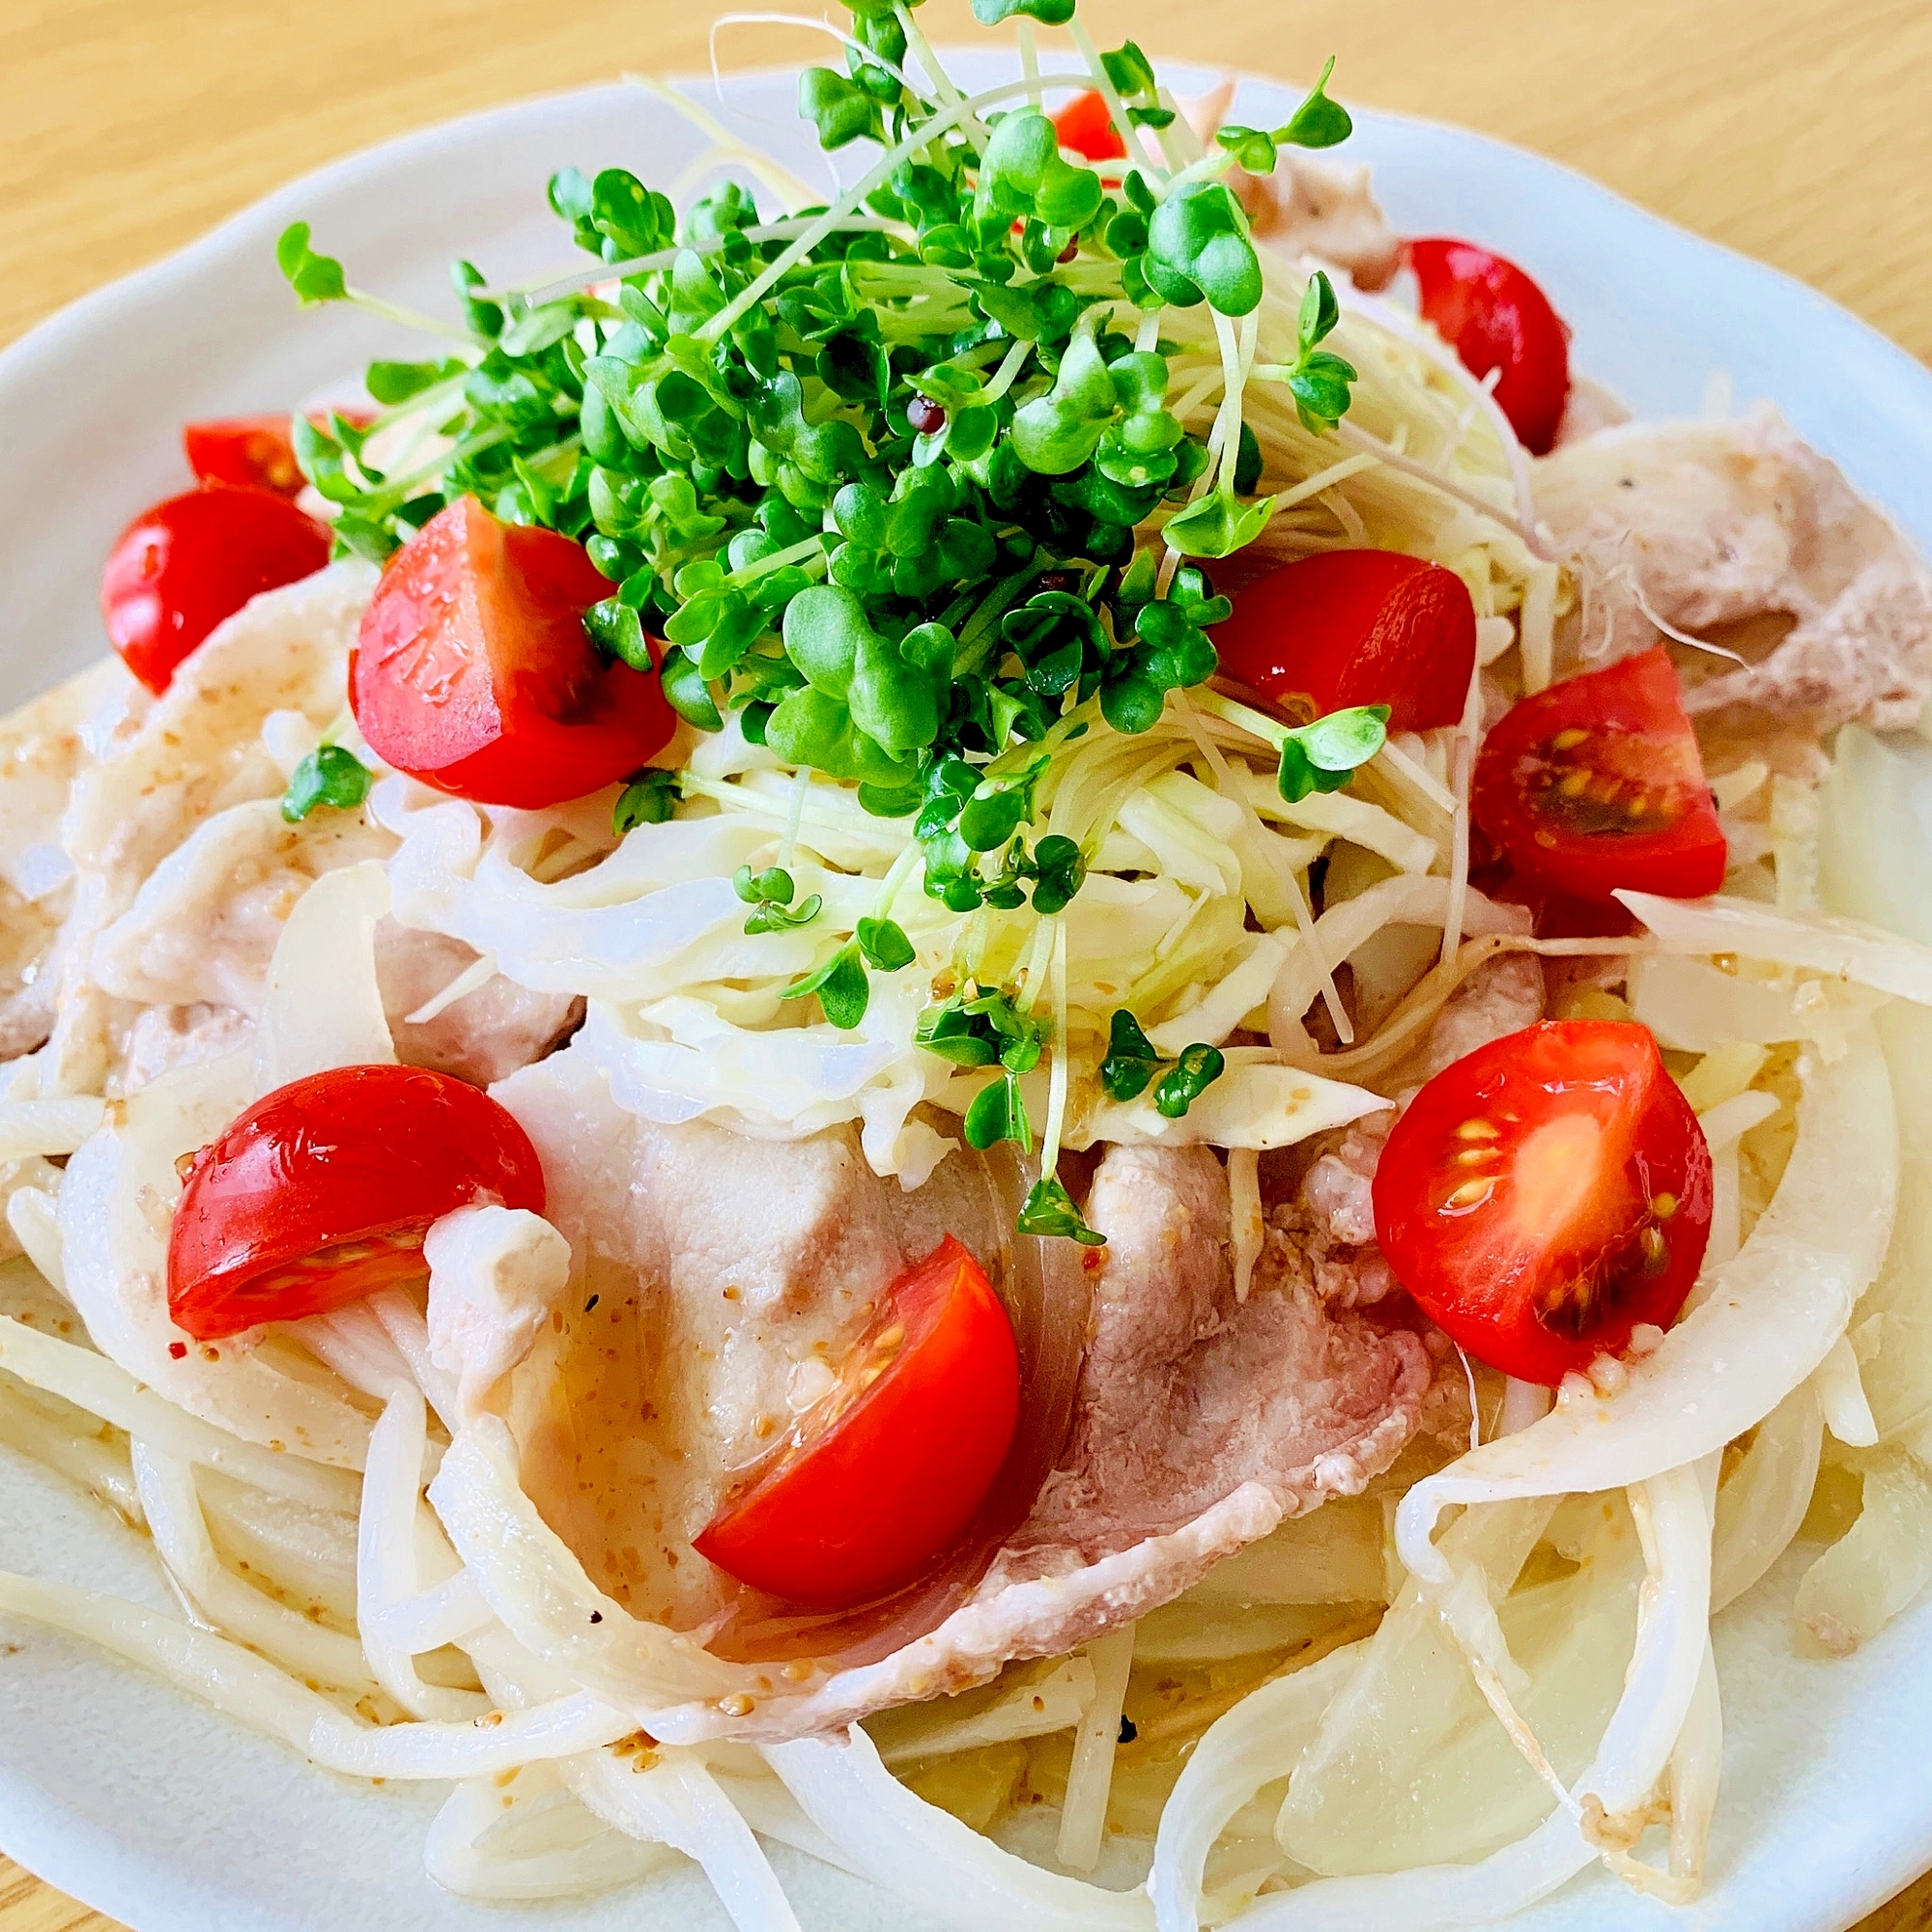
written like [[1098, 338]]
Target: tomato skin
[[1545, 1194], [1495, 317], [251, 452], [1356, 627], [368, 1155], [182, 567], [1570, 783], [472, 671], [1085, 126], [886, 1474]]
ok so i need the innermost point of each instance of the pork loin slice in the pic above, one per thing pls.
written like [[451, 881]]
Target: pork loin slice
[[1738, 532], [716, 1280], [1187, 1394], [483, 1036]]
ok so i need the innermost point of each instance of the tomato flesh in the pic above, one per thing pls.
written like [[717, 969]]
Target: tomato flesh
[[254, 452], [1356, 627], [1086, 125], [1545, 1194], [473, 672], [182, 567], [881, 1476], [1596, 784], [1495, 318], [322, 1192]]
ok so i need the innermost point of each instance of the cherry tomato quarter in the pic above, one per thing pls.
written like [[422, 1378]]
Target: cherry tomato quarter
[[1495, 318], [473, 672], [321, 1193], [182, 567], [1356, 627], [1085, 126], [1597, 784], [251, 452], [883, 1475], [1545, 1194]]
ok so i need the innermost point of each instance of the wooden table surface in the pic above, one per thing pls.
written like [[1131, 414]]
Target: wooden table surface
[[1796, 132]]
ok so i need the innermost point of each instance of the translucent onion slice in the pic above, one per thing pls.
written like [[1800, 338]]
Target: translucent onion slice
[[928, 1858]]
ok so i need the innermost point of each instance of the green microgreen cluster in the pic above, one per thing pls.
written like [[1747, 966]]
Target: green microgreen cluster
[[885, 480], [896, 483], [330, 777], [1325, 754], [1131, 1063]]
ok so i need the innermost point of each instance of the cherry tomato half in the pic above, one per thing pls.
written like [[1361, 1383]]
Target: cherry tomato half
[[1545, 1194], [1356, 627], [1495, 317], [321, 1193], [473, 672], [878, 1478], [1598, 783], [1085, 126], [182, 567]]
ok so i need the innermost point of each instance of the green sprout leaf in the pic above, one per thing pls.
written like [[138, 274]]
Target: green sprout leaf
[[770, 895], [1131, 1061], [1319, 122], [314, 278], [1198, 250], [1049, 1212], [999, 1113], [841, 984], [1049, 12], [1198, 1068], [885, 945], [1323, 756], [1250, 147], [649, 799], [330, 777]]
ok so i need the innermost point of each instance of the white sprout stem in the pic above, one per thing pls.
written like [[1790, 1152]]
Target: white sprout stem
[[1005, 375], [643, 264], [854, 197], [800, 790], [812, 25], [780, 180], [407, 318], [901, 870], [970, 124], [1029, 62], [1116, 110]]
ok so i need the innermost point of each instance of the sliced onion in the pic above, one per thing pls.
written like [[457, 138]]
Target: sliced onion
[[1760, 1508], [928, 1858], [322, 1006]]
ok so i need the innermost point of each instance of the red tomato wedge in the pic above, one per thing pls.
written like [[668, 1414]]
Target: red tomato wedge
[[184, 566], [1356, 627], [323, 1191], [1495, 317], [1598, 783], [1085, 126], [1545, 1194], [254, 452], [881, 1476], [473, 672]]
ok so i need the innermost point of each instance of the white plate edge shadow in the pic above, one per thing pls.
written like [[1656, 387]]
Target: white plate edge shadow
[[1876, 417]]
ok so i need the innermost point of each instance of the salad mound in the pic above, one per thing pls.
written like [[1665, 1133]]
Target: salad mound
[[1027, 1027]]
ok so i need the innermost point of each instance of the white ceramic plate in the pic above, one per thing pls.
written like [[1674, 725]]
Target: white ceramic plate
[[153, 1809]]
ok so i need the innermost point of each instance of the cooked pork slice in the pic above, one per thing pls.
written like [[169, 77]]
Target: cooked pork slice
[[716, 1281], [163, 1037], [1502, 996], [483, 1036], [1738, 533], [1187, 1394]]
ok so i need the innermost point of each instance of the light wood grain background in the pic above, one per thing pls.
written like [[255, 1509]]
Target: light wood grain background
[[1796, 130]]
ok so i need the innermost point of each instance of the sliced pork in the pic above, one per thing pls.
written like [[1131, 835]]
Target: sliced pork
[[1738, 535]]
